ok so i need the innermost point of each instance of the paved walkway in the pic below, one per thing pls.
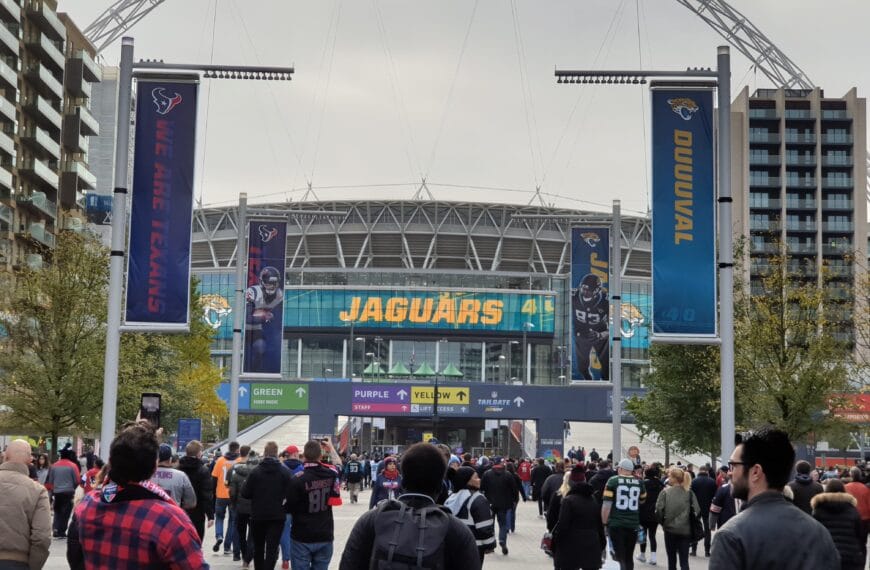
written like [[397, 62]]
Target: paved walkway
[[524, 545]]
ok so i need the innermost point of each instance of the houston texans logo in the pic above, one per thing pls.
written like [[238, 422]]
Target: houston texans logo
[[267, 233], [164, 103]]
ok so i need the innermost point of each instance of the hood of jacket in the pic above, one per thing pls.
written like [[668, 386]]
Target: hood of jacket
[[270, 464], [244, 469], [292, 464], [188, 463], [582, 489], [833, 501], [455, 501], [231, 456]]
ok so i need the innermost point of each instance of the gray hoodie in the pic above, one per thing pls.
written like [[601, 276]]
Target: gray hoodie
[[177, 485]]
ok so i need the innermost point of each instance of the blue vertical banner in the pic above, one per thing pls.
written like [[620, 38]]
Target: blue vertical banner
[[189, 429], [158, 265], [264, 298], [683, 213], [590, 303]]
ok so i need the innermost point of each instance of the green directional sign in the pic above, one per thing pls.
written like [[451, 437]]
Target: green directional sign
[[278, 397]]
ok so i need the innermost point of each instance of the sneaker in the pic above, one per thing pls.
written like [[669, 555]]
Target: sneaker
[[246, 565], [237, 558], [285, 564], [652, 558], [217, 545], [641, 557], [504, 549], [227, 552]]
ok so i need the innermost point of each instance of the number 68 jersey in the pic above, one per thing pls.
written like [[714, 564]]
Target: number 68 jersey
[[625, 493]]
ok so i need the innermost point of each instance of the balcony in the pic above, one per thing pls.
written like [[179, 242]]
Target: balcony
[[89, 125], [801, 248], [8, 76], [796, 204], [44, 81], [793, 226], [36, 232], [71, 138], [800, 138], [765, 181], [802, 114], [771, 204], [765, 160], [838, 227], [5, 182], [5, 217], [7, 145], [765, 225], [9, 44], [764, 138], [47, 116], [7, 112], [831, 182], [836, 138], [836, 114], [40, 173], [42, 143], [791, 160], [840, 271], [837, 205], [42, 14], [802, 270], [836, 161], [74, 79], [838, 294], [38, 203], [51, 54], [10, 11], [763, 114], [83, 176], [800, 182], [92, 71], [765, 247], [837, 249]]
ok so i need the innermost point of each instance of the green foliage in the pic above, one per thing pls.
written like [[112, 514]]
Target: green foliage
[[682, 402]]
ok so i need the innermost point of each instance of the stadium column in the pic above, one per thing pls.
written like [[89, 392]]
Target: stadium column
[[616, 327]]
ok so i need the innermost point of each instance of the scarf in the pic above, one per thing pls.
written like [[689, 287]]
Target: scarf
[[391, 475]]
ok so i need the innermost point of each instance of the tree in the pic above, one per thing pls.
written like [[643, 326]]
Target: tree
[[52, 359], [786, 357], [682, 400]]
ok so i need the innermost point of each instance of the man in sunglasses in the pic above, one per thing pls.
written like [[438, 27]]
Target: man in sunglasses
[[769, 532]]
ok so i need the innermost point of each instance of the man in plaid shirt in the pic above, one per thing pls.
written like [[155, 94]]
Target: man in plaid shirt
[[132, 523]]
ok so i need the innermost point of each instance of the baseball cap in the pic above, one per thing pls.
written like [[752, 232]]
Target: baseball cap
[[165, 453], [292, 450], [626, 464]]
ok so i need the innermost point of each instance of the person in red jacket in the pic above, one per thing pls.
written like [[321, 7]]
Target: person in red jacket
[[524, 470], [861, 492]]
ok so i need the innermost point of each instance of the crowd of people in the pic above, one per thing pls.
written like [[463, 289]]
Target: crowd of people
[[428, 507]]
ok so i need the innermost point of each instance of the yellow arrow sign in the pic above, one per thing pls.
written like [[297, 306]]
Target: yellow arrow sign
[[426, 395]]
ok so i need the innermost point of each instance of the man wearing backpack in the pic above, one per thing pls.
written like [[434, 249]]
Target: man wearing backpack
[[442, 542]]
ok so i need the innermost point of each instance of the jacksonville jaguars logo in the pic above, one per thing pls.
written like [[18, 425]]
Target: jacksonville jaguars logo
[[632, 320], [592, 239], [684, 107], [267, 233], [215, 308], [163, 102]]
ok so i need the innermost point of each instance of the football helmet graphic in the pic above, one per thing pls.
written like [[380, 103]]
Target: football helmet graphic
[[270, 280], [590, 287]]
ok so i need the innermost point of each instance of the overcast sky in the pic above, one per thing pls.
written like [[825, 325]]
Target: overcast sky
[[384, 93]]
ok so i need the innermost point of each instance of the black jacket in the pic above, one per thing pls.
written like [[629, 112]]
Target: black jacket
[[472, 509], [539, 475], [599, 481], [203, 485], [704, 488], [804, 489], [313, 493], [267, 486], [238, 475], [460, 549], [838, 513], [578, 537], [551, 485], [654, 487], [500, 488]]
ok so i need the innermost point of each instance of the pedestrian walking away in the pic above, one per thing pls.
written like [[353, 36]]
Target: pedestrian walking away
[[649, 521], [222, 500], [620, 511], [174, 482], [203, 487], [500, 488], [238, 475], [400, 533], [769, 531], [25, 524], [704, 488], [578, 533], [674, 508], [539, 475], [266, 487], [836, 509]]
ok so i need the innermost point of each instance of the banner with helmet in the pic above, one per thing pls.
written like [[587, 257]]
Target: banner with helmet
[[264, 298], [683, 213], [590, 303], [158, 264]]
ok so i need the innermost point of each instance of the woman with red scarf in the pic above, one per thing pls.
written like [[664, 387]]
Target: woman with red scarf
[[388, 485]]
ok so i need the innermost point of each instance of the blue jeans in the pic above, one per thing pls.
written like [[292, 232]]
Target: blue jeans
[[527, 487], [285, 538], [310, 555], [504, 522], [220, 508]]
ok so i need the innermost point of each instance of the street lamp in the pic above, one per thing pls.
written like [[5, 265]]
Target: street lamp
[[511, 355], [378, 341], [372, 354], [562, 350], [526, 327], [357, 339], [349, 321], [435, 398], [502, 358]]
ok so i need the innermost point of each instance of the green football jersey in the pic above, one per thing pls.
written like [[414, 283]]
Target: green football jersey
[[625, 494]]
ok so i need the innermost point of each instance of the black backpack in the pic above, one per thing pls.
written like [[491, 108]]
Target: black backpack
[[408, 537]]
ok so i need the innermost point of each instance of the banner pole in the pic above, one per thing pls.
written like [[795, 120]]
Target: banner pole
[[116, 259], [238, 315], [616, 328], [726, 255]]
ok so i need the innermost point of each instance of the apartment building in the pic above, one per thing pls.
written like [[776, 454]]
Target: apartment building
[[46, 70], [799, 174]]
